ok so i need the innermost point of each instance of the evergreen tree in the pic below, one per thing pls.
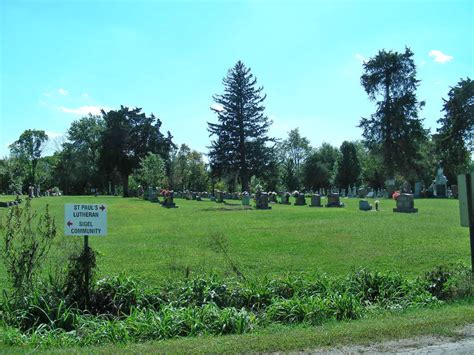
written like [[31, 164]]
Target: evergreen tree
[[394, 130], [455, 138], [240, 147], [348, 166]]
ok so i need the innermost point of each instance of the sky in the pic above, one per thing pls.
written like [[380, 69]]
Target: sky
[[60, 60]]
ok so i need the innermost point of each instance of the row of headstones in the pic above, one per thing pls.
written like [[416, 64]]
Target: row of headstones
[[262, 200], [404, 202], [11, 203]]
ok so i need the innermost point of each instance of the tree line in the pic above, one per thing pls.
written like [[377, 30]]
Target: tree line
[[125, 150]]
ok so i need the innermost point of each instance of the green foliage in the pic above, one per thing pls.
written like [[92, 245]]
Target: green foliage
[[241, 141], [394, 130], [151, 172], [79, 280], [127, 310], [449, 281], [455, 138], [27, 149], [129, 135], [188, 170], [81, 153], [25, 245], [292, 153], [348, 166]]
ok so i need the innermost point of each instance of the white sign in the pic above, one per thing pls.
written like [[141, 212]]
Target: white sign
[[85, 219], [463, 198]]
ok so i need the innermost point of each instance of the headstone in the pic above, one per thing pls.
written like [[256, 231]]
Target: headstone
[[441, 184], [219, 196], [405, 203], [371, 194], [262, 201], [300, 199], [30, 192], [362, 192], [418, 189], [334, 200], [169, 199], [245, 199], [364, 205], [285, 198], [315, 201], [153, 197]]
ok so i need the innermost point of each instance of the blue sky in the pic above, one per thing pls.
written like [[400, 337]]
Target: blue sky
[[62, 59]]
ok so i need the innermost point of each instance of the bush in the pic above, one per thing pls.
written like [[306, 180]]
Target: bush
[[449, 281], [27, 240]]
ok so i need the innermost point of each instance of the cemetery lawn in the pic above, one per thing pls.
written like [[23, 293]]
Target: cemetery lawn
[[154, 244]]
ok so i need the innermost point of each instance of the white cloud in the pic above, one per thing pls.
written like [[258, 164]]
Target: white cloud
[[440, 57], [85, 95], [217, 107], [47, 94], [63, 92], [52, 134], [360, 58], [83, 110]]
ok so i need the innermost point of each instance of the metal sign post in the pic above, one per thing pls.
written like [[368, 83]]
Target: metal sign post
[[466, 208], [85, 220]]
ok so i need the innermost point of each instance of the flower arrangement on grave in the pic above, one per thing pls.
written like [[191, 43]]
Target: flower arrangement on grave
[[395, 195]]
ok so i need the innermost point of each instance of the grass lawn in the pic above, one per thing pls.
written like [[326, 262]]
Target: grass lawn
[[154, 243]]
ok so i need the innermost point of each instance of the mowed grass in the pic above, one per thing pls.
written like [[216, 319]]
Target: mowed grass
[[153, 243]]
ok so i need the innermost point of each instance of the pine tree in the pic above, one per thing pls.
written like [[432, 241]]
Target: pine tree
[[394, 130], [240, 147]]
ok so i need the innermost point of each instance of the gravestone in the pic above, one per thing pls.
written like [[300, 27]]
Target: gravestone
[[441, 184], [362, 192], [364, 205], [261, 199], [334, 200], [315, 201], [154, 196], [405, 204], [169, 199], [300, 199], [219, 196], [245, 199], [285, 198], [418, 189]]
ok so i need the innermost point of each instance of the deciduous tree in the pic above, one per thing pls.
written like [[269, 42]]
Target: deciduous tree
[[129, 135], [27, 149], [455, 138]]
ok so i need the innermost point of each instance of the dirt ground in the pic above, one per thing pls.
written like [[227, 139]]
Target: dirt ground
[[462, 343]]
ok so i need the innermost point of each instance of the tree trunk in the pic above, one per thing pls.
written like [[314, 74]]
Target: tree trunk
[[125, 185]]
